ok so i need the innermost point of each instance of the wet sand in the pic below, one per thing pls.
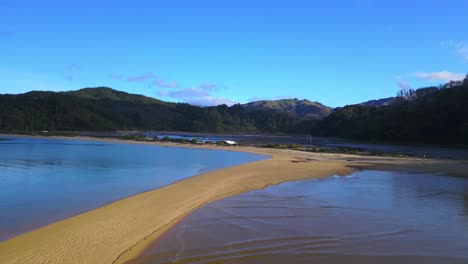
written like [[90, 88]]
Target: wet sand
[[121, 230], [367, 217]]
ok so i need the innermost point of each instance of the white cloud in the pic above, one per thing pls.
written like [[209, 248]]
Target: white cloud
[[141, 78], [462, 50], [201, 95], [281, 97], [184, 94], [161, 83], [445, 76], [404, 85], [209, 87], [116, 76], [196, 96], [210, 101]]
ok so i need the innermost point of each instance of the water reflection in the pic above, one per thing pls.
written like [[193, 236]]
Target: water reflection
[[369, 217], [428, 151], [43, 180], [418, 150], [465, 202]]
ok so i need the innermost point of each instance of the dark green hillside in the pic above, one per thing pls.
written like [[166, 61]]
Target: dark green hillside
[[434, 115], [105, 109], [104, 93], [380, 102], [293, 107]]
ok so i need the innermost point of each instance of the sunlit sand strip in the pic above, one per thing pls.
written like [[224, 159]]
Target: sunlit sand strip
[[121, 230]]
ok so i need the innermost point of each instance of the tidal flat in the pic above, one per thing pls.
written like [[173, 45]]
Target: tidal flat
[[122, 230], [365, 217]]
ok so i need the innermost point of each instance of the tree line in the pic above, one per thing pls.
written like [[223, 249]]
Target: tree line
[[433, 115], [105, 109]]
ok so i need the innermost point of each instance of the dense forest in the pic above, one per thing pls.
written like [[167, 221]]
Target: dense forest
[[293, 107], [105, 109], [434, 115]]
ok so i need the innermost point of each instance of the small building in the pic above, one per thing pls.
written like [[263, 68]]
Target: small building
[[230, 142]]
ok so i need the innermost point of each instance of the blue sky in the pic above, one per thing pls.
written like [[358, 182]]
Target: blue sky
[[210, 52]]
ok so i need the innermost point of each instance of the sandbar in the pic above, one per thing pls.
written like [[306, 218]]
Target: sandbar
[[120, 231]]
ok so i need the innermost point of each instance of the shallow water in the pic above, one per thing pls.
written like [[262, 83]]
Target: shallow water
[[328, 142], [427, 151], [44, 180], [368, 217]]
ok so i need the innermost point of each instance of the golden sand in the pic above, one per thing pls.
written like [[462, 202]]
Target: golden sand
[[121, 230]]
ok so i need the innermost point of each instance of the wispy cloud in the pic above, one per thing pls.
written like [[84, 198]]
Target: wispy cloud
[[257, 98], [163, 84], [209, 87], [460, 48], [211, 101], [159, 82], [184, 94], [261, 98], [116, 76], [141, 78], [201, 95], [196, 96], [404, 85], [445, 76]]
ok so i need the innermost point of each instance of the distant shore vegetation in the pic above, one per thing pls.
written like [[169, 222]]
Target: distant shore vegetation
[[430, 115]]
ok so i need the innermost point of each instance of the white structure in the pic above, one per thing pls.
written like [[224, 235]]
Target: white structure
[[230, 142]]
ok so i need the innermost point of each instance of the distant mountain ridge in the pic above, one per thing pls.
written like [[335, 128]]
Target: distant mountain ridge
[[106, 93], [106, 109], [429, 115], [426, 115], [298, 108], [380, 102]]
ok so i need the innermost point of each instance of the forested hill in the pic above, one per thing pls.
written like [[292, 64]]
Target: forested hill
[[380, 102], [105, 109], [434, 115], [293, 107]]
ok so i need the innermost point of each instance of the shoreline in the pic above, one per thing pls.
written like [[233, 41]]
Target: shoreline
[[121, 230], [351, 140]]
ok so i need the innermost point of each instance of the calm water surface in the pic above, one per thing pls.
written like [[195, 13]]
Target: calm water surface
[[368, 217], [416, 150], [44, 180], [429, 151]]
